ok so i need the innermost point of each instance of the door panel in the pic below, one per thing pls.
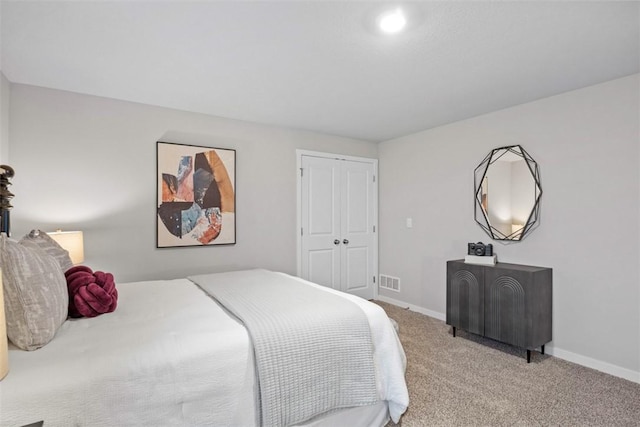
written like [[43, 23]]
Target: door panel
[[323, 269], [320, 221], [358, 280], [356, 197], [322, 187], [357, 228]]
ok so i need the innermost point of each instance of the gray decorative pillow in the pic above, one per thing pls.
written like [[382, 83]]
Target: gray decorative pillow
[[35, 293], [51, 247]]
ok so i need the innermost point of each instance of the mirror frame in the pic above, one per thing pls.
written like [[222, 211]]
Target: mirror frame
[[480, 173]]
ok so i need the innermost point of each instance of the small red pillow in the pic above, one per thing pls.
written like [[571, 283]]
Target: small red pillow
[[90, 293]]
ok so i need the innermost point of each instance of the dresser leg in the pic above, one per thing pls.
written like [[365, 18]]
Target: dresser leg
[[454, 331], [528, 356], [542, 349]]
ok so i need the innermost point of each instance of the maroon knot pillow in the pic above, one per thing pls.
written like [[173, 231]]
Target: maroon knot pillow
[[90, 293]]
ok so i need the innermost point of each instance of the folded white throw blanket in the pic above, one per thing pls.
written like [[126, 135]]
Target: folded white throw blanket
[[313, 349]]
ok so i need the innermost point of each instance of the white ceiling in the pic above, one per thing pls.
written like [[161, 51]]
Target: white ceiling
[[321, 66]]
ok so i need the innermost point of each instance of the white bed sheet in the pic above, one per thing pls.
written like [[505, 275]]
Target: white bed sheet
[[150, 364], [144, 364]]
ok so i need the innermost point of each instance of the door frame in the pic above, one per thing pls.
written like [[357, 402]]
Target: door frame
[[299, 154]]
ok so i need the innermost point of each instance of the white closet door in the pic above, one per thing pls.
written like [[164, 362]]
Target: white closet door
[[321, 221], [357, 228], [337, 219]]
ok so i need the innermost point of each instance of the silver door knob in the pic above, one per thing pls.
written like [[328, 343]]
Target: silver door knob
[[345, 241], [336, 242]]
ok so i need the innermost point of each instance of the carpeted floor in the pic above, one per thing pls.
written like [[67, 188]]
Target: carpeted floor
[[472, 381]]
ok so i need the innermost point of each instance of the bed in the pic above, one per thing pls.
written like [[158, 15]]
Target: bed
[[174, 353]]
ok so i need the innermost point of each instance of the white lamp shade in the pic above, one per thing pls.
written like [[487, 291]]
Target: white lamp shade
[[4, 343], [72, 241]]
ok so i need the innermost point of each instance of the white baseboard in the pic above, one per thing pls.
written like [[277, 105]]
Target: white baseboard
[[417, 309], [598, 365]]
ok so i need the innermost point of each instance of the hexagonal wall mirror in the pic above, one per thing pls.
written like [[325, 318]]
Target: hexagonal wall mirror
[[507, 193]]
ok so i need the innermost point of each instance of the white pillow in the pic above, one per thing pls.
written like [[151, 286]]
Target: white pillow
[[35, 293], [51, 247]]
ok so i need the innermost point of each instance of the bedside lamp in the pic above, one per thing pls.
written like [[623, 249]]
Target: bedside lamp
[[72, 241], [4, 343]]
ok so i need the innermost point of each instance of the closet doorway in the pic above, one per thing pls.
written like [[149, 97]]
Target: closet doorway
[[337, 222]]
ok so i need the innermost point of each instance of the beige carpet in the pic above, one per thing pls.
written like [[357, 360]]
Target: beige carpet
[[472, 381]]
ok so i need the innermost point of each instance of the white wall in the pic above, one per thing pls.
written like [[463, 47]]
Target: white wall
[[89, 163], [5, 98], [587, 145]]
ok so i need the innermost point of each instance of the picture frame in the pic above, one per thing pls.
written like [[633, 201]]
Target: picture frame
[[195, 195]]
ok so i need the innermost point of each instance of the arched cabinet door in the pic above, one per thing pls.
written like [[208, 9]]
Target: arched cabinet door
[[465, 297]]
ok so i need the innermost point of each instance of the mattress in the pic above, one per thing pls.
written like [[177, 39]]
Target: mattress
[[169, 355]]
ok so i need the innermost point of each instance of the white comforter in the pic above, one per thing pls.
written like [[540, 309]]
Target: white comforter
[[169, 355]]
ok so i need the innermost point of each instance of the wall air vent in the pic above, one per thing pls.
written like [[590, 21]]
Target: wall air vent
[[390, 282]]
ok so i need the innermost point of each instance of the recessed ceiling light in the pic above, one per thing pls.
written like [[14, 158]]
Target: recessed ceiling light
[[392, 21]]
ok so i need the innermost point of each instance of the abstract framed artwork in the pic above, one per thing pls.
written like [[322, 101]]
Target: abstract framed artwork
[[196, 195]]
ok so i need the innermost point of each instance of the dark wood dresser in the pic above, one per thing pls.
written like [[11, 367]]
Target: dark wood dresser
[[510, 303]]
